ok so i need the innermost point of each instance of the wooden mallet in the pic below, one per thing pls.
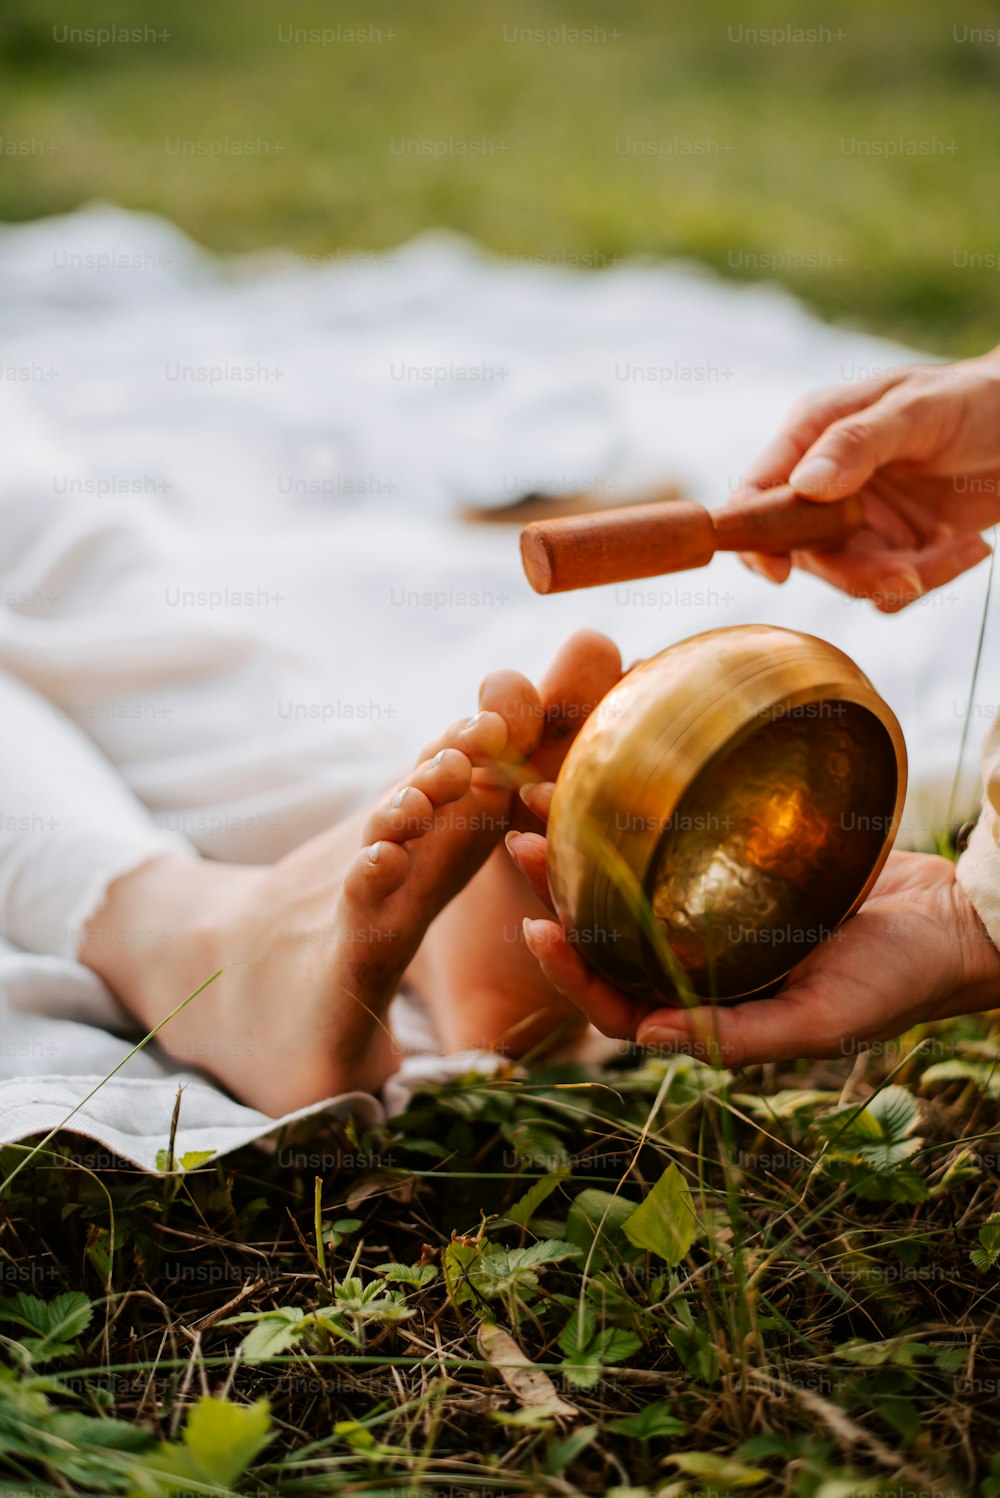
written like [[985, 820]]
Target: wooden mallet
[[614, 546]]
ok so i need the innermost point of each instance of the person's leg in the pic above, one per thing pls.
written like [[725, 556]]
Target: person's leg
[[312, 948]]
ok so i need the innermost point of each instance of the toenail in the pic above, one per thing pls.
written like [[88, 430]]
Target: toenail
[[400, 796], [437, 759], [373, 852], [474, 720]]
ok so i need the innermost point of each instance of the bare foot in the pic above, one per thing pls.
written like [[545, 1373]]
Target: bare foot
[[483, 987], [313, 948]]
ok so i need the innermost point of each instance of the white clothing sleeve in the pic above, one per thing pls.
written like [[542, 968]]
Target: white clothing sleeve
[[69, 826]]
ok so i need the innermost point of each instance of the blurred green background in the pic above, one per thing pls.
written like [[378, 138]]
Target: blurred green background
[[674, 131]]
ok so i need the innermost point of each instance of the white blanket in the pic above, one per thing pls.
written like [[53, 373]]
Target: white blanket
[[230, 559]]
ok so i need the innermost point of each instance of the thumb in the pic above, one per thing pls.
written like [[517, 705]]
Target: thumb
[[851, 450]]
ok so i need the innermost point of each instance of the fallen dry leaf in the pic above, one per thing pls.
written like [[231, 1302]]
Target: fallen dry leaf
[[530, 1386]]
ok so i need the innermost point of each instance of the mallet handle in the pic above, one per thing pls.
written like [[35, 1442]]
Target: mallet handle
[[583, 551]]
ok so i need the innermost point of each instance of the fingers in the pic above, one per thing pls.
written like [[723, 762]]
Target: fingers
[[774, 569], [527, 850], [537, 797], [607, 1009], [884, 520], [799, 1022], [808, 419], [894, 579], [851, 450], [919, 500], [819, 432]]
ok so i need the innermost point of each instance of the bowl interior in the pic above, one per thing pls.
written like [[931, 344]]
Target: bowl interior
[[771, 844]]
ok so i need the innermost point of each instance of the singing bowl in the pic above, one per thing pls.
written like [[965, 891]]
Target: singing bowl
[[722, 811]]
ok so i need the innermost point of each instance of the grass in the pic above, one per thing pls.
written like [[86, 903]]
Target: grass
[[678, 136], [806, 1302]]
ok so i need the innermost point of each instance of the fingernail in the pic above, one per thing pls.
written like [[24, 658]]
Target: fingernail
[[373, 852], [818, 476], [531, 929], [509, 840], [527, 791]]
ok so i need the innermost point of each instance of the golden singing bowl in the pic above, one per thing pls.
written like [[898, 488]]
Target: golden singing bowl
[[722, 810]]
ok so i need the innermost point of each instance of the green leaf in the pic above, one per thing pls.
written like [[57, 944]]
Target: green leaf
[[545, 1251], [600, 1216], [657, 1421], [189, 1161], [985, 1074], [536, 1145], [459, 1259], [787, 1103], [664, 1223], [562, 1454], [986, 1255], [589, 1348], [58, 1321], [716, 1468], [695, 1347], [877, 1135], [897, 1352], [962, 1167], [526, 1206], [409, 1274], [219, 1442], [579, 1331], [582, 1365], [499, 1271], [224, 1438], [194, 1158], [616, 1345], [65, 1316], [273, 1332], [903, 1184]]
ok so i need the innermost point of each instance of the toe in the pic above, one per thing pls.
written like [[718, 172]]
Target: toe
[[407, 813], [513, 697], [373, 874], [483, 738], [445, 778], [584, 671]]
